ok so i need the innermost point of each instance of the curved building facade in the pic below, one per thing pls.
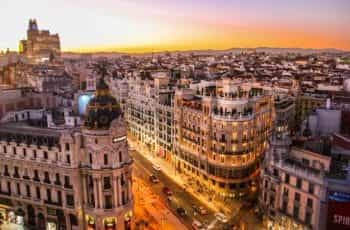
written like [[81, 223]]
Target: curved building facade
[[222, 129]]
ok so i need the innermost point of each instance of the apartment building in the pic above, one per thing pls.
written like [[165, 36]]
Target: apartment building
[[293, 186], [150, 113], [221, 134]]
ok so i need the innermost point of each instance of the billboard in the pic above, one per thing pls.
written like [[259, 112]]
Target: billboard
[[83, 101], [338, 211]]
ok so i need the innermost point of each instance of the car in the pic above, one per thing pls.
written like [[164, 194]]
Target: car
[[202, 210], [181, 211], [156, 167], [167, 191], [153, 179], [196, 225], [221, 217]]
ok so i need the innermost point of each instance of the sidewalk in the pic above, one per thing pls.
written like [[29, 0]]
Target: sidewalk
[[183, 180]]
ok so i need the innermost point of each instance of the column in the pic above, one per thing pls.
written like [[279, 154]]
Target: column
[[115, 192], [119, 190], [68, 225], [96, 194], [64, 202], [100, 193], [85, 188]]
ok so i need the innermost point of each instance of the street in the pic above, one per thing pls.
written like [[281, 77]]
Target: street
[[180, 198]]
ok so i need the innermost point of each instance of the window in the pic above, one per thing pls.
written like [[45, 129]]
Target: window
[[38, 195], [311, 188], [18, 189], [299, 183], [45, 155], [107, 183], [67, 146], [58, 181], [305, 161], [90, 158], [284, 206], [120, 156], [28, 190], [36, 175], [67, 183], [6, 171], [108, 202], [296, 212], [16, 174], [68, 159], [297, 197], [105, 158], [70, 200], [9, 187], [286, 178], [5, 149], [309, 203], [46, 177], [14, 150], [48, 194], [308, 217], [34, 153], [24, 152]]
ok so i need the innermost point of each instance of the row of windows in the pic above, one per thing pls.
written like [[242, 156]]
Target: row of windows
[[67, 183], [34, 154], [105, 158], [8, 190], [311, 187]]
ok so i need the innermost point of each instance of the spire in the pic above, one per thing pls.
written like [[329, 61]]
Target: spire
[[32, 24], [102, 87]]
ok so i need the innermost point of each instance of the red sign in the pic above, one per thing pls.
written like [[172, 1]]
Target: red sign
[[338, 215]]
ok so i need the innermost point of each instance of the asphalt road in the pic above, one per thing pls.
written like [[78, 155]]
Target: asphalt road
[[180, 197]]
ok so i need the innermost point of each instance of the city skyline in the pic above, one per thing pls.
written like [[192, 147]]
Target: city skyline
[[138, 26]]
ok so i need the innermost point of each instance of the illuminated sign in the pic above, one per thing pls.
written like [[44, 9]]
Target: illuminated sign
[[83, 101], [338, 211], [117, 139]]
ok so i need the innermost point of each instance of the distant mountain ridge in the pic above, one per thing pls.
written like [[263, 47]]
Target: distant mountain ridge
[[273, 50]]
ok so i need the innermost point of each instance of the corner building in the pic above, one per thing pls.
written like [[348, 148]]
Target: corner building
[[106, 165], [67, 177], [221, 134]]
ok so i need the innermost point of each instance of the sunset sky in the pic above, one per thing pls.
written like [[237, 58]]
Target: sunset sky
[[153, 25]]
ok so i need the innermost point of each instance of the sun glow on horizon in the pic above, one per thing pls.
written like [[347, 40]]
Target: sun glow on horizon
[[138, 26]]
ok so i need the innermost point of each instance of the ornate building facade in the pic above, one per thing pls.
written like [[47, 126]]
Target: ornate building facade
[[221, 134], [40, 44], [67, 176]]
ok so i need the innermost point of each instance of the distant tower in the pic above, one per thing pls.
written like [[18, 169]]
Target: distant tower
[[32, 24], [33, 29], [106, 169]]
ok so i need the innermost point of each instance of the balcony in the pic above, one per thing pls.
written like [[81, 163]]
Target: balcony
[[50, 202], [69, 186]]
